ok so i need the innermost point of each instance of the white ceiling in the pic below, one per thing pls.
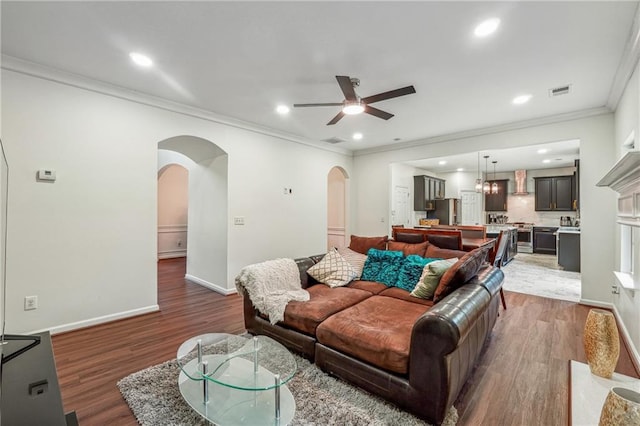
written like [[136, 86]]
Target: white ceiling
[[241, 59]]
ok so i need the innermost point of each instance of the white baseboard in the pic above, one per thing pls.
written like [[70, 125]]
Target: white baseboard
[[171, 254], [635, 356], [99, 320], [596, 303], [211, 286]]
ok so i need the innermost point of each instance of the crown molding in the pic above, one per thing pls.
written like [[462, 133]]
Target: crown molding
[[628, 63], [11, 63], [558, 118]]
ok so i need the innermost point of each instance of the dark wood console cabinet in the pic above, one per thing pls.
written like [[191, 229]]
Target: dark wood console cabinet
[[30, 394]]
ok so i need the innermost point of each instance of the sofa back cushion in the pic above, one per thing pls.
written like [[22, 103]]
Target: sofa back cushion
[[461, 272], [435, 251], [382, 266], [363, 244], [408, 248]]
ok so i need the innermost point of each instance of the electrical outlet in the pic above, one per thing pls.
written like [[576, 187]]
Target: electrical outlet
[[238, 220], [179, 243], [30, 303]]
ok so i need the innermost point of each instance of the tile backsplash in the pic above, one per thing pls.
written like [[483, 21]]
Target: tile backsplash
[[521, 208]]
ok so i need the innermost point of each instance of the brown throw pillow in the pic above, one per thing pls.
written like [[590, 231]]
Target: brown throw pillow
[[437, 252], [464, 269], [363, 244], [407, 248]]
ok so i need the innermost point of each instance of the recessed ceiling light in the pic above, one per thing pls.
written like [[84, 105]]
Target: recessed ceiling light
[[460, 169], [487, 27], [282, 109], [357, 136], [141, 60], [543, 151], [442, 162], [521, 99], [546, 161]]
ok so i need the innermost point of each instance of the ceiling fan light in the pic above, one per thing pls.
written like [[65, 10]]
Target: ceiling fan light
[[353, 108]]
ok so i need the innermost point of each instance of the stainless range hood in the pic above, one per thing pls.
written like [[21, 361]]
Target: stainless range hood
[[521, 183]]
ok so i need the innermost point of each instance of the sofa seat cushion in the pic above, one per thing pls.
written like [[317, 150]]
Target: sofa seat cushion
[[323, 302], [402, 294], [372, 287], [376, 330]]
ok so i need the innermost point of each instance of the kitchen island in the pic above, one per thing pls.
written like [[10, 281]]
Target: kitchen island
[[568, 239]]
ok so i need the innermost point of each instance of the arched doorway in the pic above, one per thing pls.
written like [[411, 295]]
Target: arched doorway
[[173, 208], [206, 242], [337, 190]]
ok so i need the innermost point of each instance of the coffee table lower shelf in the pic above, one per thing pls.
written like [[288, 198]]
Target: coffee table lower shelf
[[229, 406]]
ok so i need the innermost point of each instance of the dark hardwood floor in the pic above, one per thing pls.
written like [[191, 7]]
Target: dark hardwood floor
[[521, 379]]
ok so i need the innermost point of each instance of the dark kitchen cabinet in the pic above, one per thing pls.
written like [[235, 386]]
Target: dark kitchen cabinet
[[426, 190], [497, 202], [544, 239], [555, 193]]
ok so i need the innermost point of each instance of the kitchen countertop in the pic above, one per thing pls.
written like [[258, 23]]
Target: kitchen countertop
[[568, 230]]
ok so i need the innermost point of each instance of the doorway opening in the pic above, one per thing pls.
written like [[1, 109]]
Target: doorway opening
[[337, 192], [205, 227], [173, 208]]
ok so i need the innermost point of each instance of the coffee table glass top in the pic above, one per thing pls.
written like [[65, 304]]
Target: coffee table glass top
[[236, 361]]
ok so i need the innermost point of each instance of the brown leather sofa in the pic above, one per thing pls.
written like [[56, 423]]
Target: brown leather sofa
[[410, 351]]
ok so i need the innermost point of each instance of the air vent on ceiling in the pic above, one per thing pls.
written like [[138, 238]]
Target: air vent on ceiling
[[562, 90], [333, 140]]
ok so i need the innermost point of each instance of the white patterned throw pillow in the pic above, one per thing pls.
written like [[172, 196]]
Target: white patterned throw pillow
[[333, 270], [355, 259]]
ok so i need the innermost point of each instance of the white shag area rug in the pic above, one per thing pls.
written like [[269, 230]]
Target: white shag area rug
[[540, 275], [154, 398]]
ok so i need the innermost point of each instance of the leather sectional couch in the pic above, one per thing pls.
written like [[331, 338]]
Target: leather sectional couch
[[413, 352]]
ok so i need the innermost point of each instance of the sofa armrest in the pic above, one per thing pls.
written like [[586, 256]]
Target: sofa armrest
[[490, 278]]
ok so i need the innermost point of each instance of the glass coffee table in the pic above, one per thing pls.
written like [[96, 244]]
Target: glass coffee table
[[235, 380]]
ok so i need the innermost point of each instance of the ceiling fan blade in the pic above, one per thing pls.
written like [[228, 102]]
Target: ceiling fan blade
[[377, 112], [335, 119], [388, 95], [347, 87], [317, 105]]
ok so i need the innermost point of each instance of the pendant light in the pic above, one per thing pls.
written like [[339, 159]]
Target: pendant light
[[486, 187], [494, 185], [478, 181]]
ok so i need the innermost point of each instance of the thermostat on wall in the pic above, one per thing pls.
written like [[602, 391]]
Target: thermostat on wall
[[49, 175]]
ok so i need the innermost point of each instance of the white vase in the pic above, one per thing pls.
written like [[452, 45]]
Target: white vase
[[622, 407]]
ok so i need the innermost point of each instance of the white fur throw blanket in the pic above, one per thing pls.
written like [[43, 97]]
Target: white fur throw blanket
[[271, 285]]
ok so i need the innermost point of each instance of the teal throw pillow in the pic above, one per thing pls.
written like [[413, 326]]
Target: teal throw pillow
[[411, 270], [382, 266], [430, 278]]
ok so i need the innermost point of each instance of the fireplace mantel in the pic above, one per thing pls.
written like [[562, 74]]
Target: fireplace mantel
[[624, 178]]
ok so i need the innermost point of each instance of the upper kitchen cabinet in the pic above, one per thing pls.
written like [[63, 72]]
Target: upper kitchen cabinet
[[497, 202], [425, 189], [555, 193]]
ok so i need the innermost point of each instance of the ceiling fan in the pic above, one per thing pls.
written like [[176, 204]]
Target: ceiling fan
[[354, 104]]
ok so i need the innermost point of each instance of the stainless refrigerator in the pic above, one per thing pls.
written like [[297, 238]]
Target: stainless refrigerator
[[447, 211]]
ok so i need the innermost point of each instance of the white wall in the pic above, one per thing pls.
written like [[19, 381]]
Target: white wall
[[597, 154], [173, 203], [458, 181], [627, 120], [86, 245]]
